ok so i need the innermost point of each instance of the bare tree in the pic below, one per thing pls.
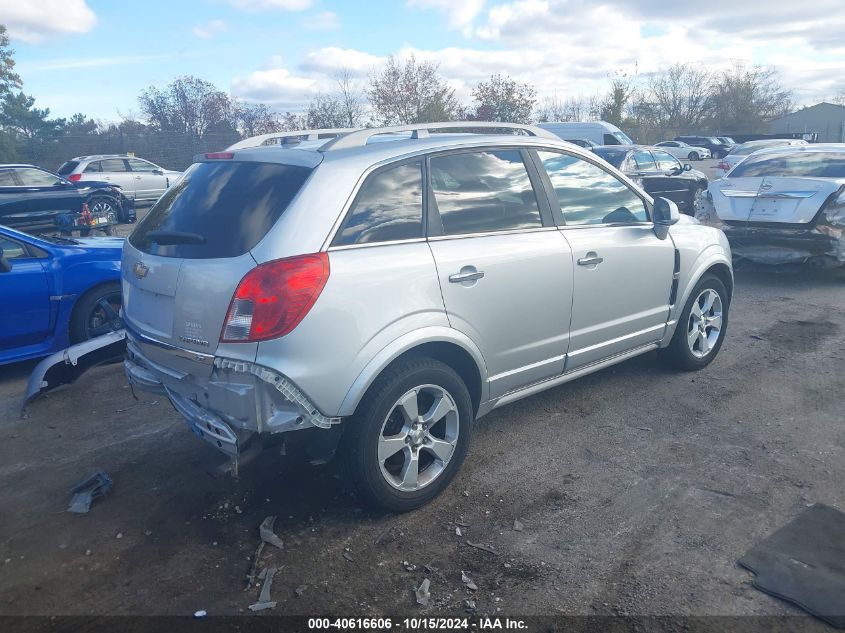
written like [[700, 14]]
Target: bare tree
[[410, 92], [188, 105], [678, 98], [352, 99], [504, 99], [746, 99], [577, 108], [325, 111]]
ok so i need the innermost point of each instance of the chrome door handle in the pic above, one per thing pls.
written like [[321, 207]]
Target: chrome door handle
[[137, 178], [466, 276], [591, 260]]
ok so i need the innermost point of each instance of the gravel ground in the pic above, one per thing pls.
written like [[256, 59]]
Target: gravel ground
[[637, 489]]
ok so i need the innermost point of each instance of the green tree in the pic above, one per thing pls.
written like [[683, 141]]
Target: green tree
[[410, 92], [30, 129], [9, 79]]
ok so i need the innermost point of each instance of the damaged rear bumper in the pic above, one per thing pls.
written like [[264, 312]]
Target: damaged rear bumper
[[767, 244], [228, 403]]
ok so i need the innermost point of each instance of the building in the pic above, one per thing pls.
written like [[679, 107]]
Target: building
[[826, 119]]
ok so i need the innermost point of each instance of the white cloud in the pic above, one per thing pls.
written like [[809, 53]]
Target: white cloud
[[31, 22], [331, 59], [276, 86], [210, 29], [323, 21], [263, 5], [458, 12]]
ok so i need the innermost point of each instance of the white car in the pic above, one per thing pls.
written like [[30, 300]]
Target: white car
[[785, 205], [139, 179], [738, 153], [681, 150]]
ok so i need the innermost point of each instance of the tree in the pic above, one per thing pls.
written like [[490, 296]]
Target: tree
[[613, 107], [9, 79], [252, 119], [29, 128], [325, 111], [351, 98], [188, 105], [679, 98], [504, 99], [578, 108], [745, 100], [410, 92]]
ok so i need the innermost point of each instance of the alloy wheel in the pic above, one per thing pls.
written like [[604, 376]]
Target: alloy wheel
[[705, 323], [418, 437]]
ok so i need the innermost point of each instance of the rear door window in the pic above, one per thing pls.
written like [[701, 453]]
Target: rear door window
[[587, 194], [479, 192], [644, 160], [113, 165], [388, 208], [96, 166], [141, 165], [7, 178], [219, 209], [36, 178]]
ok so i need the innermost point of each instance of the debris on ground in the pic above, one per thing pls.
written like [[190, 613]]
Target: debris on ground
[[458, 532], [300, 590], [84, 493], [422, 593], [517, 525], [430, 569], [347, 554], [264, 599], [200, 614], [267, 533], [480, 546], [469, 605], [468, 582], [409, 566]]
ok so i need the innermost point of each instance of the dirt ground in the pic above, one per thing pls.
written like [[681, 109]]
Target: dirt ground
[[637, 488]]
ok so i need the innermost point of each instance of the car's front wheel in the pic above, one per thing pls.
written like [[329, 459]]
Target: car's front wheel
[[96, 313], [409, 435], [694, 156], [701, 327]]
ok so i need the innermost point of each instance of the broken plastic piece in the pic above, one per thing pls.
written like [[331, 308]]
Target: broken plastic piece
[[468, 582], [267, 533], [264, 599], [422, 593], [517, 524], [84, 493]]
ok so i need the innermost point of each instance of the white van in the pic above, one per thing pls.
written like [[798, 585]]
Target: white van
[[599, 132]]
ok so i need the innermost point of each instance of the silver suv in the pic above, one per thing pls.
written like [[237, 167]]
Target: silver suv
[[388, 294], [138, 179]]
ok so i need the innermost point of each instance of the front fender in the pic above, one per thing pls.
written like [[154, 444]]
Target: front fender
[[405, 343]]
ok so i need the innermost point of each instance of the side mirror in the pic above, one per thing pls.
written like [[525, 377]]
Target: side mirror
[[5, 264], [665, 213], [687, 167]]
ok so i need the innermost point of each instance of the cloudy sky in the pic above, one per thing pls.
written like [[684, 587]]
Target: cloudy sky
[[94, 56]]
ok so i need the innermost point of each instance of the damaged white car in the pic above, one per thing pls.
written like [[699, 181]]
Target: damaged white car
[[784, 205]]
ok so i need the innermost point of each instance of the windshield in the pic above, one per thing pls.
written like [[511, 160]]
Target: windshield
[[623, 138], [745, 150], [797, 165], [612, 156], [218, 209]]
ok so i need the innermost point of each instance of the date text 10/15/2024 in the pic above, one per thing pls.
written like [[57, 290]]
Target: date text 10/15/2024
[[416, 624]]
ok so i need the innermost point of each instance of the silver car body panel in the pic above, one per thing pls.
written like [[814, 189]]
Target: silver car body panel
[[535, 319]]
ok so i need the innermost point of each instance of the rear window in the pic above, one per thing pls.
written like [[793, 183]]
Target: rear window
[[67, 168], [803, 165], [219, 209]]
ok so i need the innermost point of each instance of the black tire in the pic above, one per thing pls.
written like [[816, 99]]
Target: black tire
[[694, 156], [91, 318], [678, 353], [376, 412]]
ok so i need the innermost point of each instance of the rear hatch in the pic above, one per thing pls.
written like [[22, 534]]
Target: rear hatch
[[765, 199], [182, 264]]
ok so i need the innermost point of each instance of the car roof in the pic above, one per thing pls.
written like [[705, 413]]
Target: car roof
[[101, 156], [830, 148]]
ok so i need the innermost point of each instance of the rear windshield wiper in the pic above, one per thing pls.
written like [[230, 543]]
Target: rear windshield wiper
[[175, 237]]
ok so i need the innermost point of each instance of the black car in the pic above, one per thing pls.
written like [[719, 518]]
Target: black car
[[659, 173], [34, 199], [717, 148]]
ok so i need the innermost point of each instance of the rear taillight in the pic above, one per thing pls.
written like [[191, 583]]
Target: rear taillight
[[273, 298], [75, 177]]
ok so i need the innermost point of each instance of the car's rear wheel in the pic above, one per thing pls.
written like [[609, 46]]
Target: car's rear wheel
[[96, 313], [701, 327], [694, 156], [409, 435]]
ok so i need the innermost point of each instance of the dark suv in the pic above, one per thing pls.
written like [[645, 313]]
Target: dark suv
[[716, 147]]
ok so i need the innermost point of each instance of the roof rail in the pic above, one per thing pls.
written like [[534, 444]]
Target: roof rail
[[359, 138], [309, 135]]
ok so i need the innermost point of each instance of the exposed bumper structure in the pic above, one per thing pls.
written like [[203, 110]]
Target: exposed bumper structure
[[226, 402], [775, 245]]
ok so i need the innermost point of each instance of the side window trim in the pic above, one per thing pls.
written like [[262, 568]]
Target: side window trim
[[557, 212], [435, 222], [356, 196]]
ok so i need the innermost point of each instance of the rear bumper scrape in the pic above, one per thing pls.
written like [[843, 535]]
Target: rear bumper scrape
[[284, 386]]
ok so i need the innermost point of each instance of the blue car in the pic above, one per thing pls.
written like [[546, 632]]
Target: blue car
[[56, 291]]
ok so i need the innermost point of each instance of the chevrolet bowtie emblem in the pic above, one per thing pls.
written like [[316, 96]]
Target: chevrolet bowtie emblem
[[140, 270]]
